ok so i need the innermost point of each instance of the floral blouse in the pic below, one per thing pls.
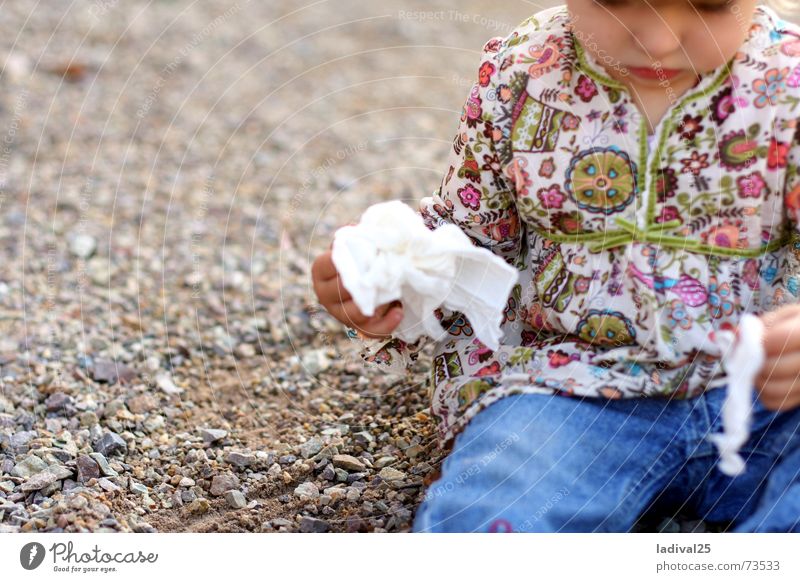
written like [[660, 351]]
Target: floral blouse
[[630, 255]]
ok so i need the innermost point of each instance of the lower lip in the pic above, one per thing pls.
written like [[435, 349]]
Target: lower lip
[[655, 74]]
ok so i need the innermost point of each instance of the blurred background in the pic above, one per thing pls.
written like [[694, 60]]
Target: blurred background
[[169, 170]]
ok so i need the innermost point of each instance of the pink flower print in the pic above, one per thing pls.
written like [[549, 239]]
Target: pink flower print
[[547, 167], [551, 197], [668, 213], [695, 164], [750, 273], [751, 186], [473, 104], [770, 86], [570, 122], [586, 88], [794, 78], [470, 197]]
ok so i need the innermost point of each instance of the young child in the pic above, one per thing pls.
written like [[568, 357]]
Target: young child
[[637, 163]]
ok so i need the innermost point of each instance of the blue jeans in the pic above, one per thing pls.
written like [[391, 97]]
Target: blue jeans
[[545, 463]]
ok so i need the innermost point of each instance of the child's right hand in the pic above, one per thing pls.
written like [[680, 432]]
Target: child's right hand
[[339, 303]]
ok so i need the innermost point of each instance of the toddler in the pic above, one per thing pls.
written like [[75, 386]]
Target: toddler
[[636, 161]]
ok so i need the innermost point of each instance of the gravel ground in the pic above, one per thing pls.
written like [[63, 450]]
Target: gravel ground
[[168, 171]]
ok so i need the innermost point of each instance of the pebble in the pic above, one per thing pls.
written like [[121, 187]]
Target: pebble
[[347, 462], [87, 468], [307, 490], [29, 466], [313, 525], [235, 499], [199, 506], [221, 484], [57, 401], [166, 385], [390, 474], [311, 447], [111, 372], [110, 444], [83, 246], [212, 435], [102, 462], [46, 478], [241, 460]]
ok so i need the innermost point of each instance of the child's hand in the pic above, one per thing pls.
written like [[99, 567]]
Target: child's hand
[[339, 303], [779, 378]]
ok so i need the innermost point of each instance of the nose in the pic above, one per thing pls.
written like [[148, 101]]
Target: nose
[[659, 34]]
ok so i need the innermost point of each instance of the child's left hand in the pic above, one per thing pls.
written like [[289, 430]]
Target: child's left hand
[[779, 379]]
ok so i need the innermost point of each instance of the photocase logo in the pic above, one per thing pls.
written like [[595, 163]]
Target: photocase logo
[[31, 555]]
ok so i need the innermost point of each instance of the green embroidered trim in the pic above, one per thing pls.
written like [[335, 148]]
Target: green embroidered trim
[[655, 233], [586, 68]]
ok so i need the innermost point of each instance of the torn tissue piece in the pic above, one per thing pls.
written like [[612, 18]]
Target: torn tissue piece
[[390, 254], [743, 356]]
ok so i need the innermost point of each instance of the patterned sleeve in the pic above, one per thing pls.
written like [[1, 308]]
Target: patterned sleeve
[[792, 206], [474, 195]]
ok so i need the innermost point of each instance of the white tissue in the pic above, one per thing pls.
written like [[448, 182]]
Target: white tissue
[[390, 254], [743, 356]]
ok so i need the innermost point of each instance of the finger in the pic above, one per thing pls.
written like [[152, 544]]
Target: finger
[[323, 268], [348, 313], [333, 291], [783, 336], [379, 325], [780, 395], [382, 326], [782, 366], [770, 318]]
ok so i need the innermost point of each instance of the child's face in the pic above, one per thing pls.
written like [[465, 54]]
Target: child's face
[[675, 39]]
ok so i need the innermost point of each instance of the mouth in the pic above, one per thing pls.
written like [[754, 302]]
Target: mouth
[[654, 74]]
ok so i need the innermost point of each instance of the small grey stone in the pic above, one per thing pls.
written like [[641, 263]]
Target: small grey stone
[[46, 478], [87, 468], [29, 466], [341, 475], [307, 490], [313, 525], [83, 246], [107, 484], [390, 474], [102, 462], [384, 461], [186, 482], [211, 435], [241, 460], [327, 452], [112, 372], [347, 462], [22, 438], [111, 443], [328, 473], [221, 484], [235, 499], [311, 447], [363, 437], [138, 488], [57, 401], [165, 383], [316, 361], [275, 470]]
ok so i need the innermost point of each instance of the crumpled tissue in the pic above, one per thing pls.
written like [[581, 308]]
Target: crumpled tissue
[[390, 254], [743, 357]]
